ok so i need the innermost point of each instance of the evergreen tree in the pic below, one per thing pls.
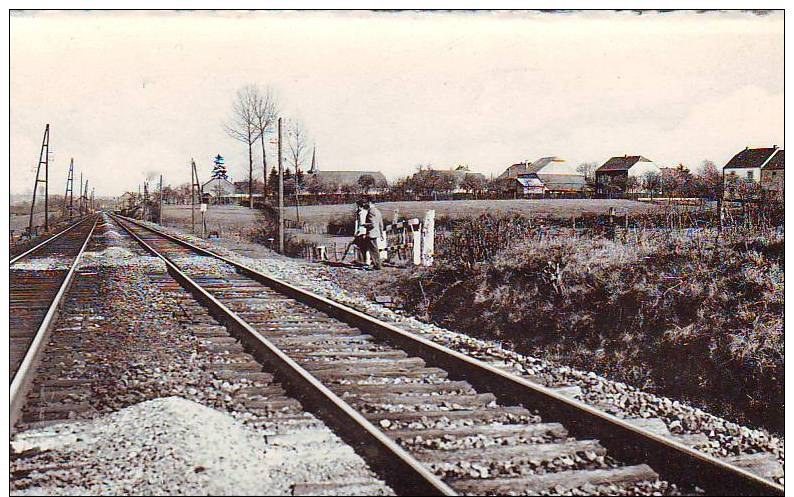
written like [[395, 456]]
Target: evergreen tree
[[219, 169], [272, 182]]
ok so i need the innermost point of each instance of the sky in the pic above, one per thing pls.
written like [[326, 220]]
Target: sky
[[131, 95]]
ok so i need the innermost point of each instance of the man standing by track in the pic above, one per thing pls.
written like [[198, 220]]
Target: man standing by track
[[373, 223]]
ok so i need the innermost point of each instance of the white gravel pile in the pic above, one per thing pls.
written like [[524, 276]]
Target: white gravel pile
[[120, 257], [43, 264], [168, 446]]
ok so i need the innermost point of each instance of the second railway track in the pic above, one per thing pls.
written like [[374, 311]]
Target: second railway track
[[38, 282], [429, 419]]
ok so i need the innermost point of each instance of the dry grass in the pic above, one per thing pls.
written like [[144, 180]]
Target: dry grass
[[680, 313], [457, 209], [226, 219]]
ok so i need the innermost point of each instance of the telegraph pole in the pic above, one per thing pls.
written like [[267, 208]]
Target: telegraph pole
[[192, 196], [80, 198], [69, 195], [85, 196], [280, 193], [160, 210], [44, 160]]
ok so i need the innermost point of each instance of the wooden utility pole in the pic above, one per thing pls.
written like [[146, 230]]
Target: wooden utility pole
[[160, 211], [44, 160], [80, 198], [69, 195], [280, 193], [193, 182], [85, 195]]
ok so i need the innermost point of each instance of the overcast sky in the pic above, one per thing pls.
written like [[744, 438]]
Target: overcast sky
[[131, 95]]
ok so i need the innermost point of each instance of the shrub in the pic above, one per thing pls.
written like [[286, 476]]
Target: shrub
[[690, 315]]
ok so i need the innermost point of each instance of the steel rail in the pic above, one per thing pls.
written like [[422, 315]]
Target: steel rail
[[391, 462], [23, 377], [630, 444], [48, 240]]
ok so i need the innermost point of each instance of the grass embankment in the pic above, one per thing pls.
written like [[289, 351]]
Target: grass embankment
[[685, 316]]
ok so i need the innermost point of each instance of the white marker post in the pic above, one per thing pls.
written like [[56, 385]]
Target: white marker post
[[428, 234], [203, 221]]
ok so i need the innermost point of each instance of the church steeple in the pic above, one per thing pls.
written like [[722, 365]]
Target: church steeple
[[314, 169]]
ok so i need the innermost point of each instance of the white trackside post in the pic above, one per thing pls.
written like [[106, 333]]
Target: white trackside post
[[428, 233]]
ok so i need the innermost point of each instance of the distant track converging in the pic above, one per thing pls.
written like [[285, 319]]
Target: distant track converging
[[430, 420]]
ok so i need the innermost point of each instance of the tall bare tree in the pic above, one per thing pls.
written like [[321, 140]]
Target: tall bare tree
[[298, 147], [266, 110], [242, 127]]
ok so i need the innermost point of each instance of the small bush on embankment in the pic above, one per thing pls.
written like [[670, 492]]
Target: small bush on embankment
[[693, 317]]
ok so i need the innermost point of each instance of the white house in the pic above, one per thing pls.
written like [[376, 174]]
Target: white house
[[747, 164]]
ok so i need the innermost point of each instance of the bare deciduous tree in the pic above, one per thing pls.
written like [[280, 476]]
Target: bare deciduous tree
[[298, 145], [265, 116], [243, 127], [297, 149], [588, 169]]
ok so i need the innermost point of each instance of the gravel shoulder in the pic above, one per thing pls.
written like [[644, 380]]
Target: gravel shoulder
[[745, 446]]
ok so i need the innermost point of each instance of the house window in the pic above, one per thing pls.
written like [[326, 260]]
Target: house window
[[749, 176]]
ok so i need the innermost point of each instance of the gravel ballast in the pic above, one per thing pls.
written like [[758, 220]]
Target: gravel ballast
[[131, 337], [723, 438]]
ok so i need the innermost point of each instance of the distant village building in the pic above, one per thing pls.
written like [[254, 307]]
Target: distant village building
[[218, 191], [772, 173], [753, 165], [127, 200], [462, 178], [536, 178], [336, 181], [624, 174]]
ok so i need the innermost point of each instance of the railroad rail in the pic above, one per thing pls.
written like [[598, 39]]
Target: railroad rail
[[35, 297], [428, 419], [48, 240]]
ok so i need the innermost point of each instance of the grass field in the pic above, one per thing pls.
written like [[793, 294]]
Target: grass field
[[221, 218], [452, 209], [19, 222]]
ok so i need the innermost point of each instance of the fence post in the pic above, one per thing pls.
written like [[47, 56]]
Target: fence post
[[428, 234], [417, 247]]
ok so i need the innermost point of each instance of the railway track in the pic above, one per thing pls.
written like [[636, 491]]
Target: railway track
[[20, 250], [428, 419], [38, 282]]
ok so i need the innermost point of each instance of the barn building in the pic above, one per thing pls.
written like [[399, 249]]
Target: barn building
[[616, 174]]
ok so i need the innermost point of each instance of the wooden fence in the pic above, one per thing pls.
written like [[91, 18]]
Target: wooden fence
[[409, 241]]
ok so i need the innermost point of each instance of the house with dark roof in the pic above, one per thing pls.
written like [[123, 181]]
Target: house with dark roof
[[623, 174], [335, 181], [772, 173], [747, 167]]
